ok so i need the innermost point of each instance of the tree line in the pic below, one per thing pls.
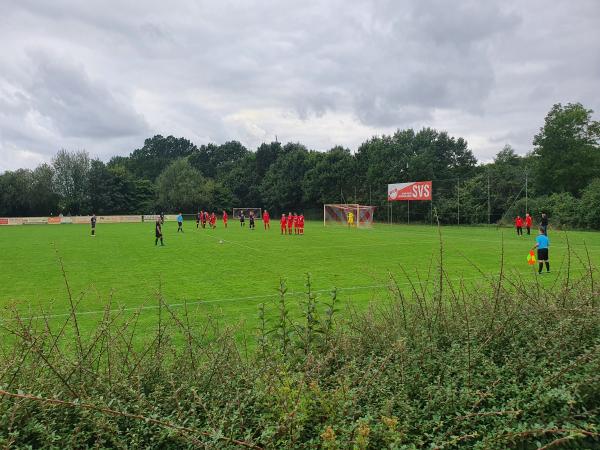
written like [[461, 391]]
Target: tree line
[[174, 174]]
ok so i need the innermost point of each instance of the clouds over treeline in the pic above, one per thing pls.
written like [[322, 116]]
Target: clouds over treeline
[[105, 75]]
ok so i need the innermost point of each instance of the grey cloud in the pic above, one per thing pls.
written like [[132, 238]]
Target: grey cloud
[[105, 75], [77, 105]]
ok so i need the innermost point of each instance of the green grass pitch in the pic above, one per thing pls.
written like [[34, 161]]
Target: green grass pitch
[[229, 280]]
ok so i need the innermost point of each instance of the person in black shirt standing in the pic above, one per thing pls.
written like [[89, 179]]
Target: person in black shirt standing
[[158, 233], [242, 223], [544, 223], [251, 219], [93, 222]]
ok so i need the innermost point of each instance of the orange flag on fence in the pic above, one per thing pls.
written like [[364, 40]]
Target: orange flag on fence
[[531, 258]]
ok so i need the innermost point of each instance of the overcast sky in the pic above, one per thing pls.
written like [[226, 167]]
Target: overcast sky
[[103, 76]]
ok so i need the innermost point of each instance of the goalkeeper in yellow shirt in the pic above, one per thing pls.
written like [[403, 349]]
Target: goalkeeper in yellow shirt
[[350, 219]]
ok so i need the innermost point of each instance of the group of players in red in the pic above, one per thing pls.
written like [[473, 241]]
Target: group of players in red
[[519, 222], [203, 217], [292, 223]]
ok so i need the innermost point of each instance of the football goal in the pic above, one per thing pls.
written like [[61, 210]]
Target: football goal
[[338, 214], [257, 213]]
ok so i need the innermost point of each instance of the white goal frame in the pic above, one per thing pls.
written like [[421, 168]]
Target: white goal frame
[[236, 213], [363, 214]]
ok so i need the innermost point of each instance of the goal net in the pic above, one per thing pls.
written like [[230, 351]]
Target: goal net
[[338, 214], [257, 213]]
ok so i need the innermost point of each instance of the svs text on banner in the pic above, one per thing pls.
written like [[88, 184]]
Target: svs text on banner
[[413, 190]]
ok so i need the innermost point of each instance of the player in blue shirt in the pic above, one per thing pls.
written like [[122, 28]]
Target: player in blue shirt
[[180, 223], [542, 243]]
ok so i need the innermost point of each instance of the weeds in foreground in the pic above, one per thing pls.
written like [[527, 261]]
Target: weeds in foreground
[[444, 365]]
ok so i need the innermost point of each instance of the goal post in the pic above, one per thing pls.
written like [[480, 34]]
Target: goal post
[[257, 213], [337, 214]]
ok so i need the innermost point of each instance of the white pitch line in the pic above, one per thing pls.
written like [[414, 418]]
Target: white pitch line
[[254, 297]]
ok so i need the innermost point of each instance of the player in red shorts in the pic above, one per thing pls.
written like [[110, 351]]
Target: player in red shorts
[[213, 221], [266, 220], [301, 221], [283, 223], [296, 224], [225, 218], [290, 223]]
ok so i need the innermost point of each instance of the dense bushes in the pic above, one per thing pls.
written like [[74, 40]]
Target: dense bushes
[[514, 364], [564, 210]]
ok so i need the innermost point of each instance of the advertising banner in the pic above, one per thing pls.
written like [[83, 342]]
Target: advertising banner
[[414, 190], [35, 220]]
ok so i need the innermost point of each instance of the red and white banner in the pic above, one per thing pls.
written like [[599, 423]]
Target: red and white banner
[[414, 190]]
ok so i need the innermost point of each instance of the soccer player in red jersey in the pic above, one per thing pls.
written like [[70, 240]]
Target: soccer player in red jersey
[[225, 218], [290, 223], [528, 223], [266, 220], [301, 220], [519, 225], [213, 220], [295, 223], [283, 223]]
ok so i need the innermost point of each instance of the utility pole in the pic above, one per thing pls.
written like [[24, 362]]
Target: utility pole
[[458, 204], [489, 204], [526, 199]]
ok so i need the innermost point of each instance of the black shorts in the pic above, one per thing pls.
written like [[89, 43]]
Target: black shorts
[[542, 254]]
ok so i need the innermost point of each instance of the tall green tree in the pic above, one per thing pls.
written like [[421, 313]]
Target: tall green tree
[[181, 187], [281, 188], [43, 198], [215, 161], [243, 182], [15, 193], [157, 153], [331, 173], [71, 171], [567, 149]]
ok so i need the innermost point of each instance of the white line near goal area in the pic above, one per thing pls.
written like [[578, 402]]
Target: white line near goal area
[[268, 296]]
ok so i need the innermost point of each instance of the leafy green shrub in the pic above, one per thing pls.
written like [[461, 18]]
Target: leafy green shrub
[[589, 209], [506, 365]]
